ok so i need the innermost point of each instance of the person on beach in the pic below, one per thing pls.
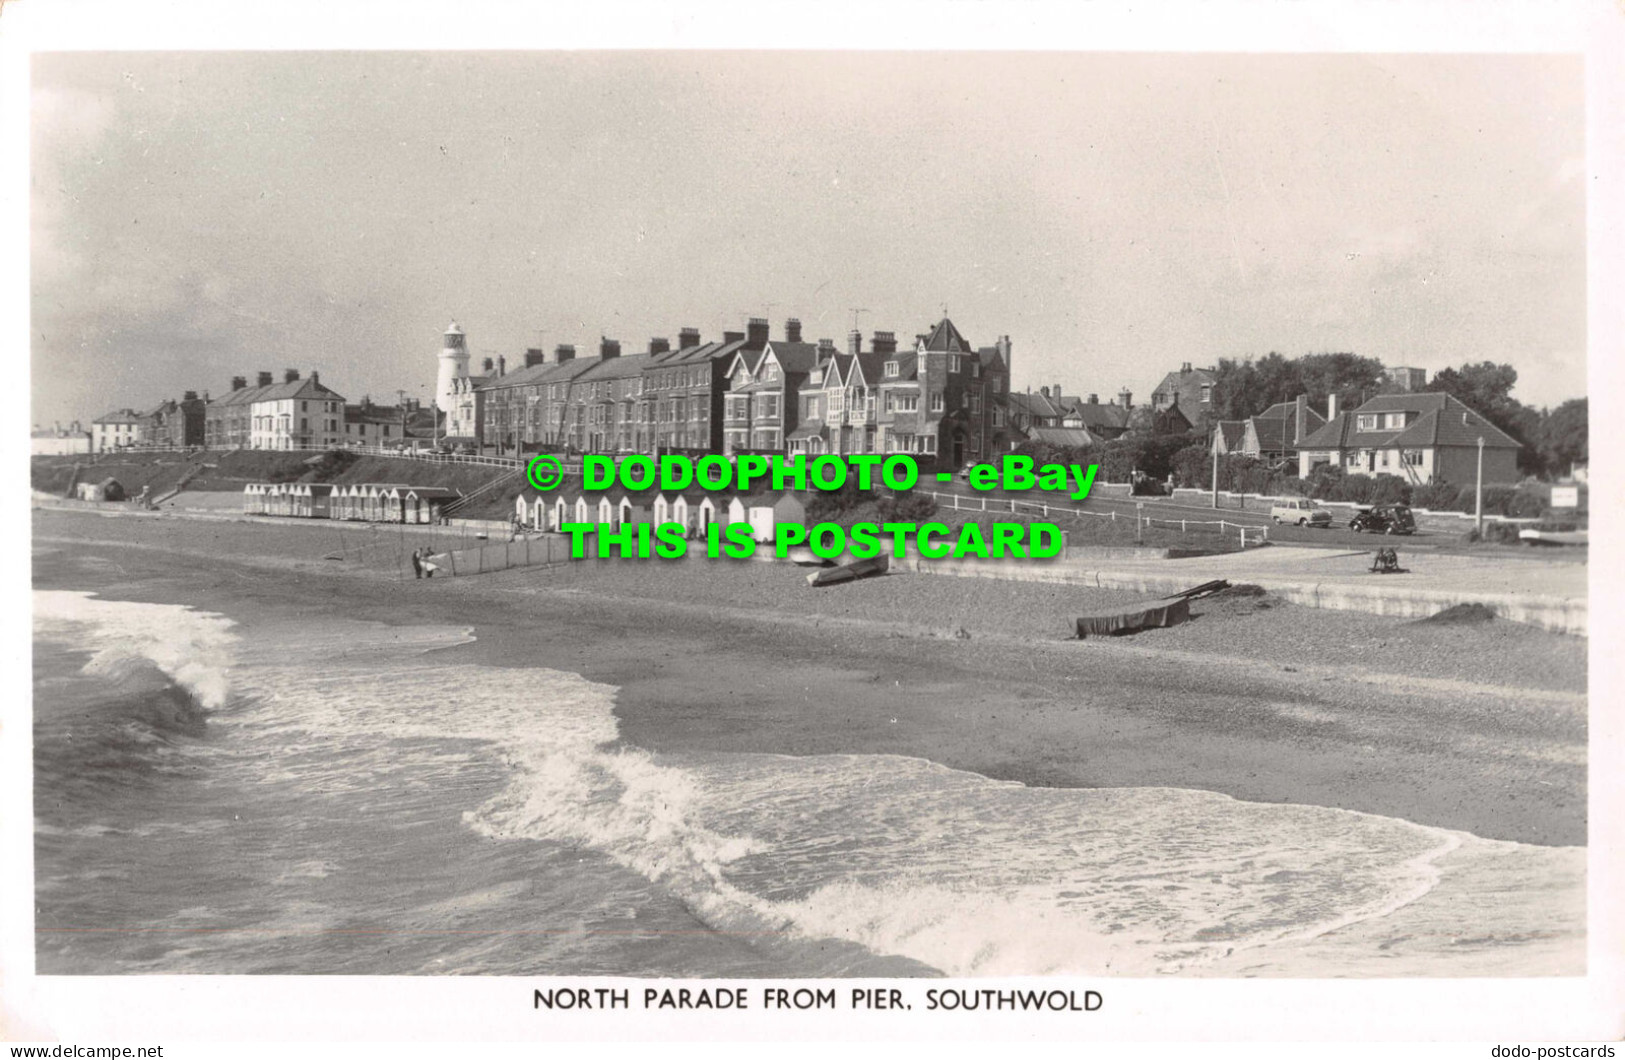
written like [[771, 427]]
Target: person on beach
[[429, 566], [417, 562]]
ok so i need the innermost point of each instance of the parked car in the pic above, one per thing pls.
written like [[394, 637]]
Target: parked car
[[1384, 519], [1300, 511]]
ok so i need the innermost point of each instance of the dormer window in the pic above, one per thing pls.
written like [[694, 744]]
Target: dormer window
[[817, 377], [891, 369], [1367, 422]]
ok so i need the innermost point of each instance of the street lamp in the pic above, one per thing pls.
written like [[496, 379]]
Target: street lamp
[[1478, 492]]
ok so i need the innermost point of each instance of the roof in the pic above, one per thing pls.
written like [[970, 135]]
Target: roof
[[1232, 430], [1442, 420], [299, 388], [794, 356], [1073, 436], [372, 414], [1185, 387], [121, 416], [810, 429], [1096, 415], [945, 338]]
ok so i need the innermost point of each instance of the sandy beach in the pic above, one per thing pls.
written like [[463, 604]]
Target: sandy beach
[[1480, 728]]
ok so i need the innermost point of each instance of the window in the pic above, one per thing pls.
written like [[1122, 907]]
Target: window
[[953, 362], [810, 410], [767, 405], [817, 376], [304, 406], [771, 372], [1411, 458], [936, 401], [1366, 422], [907, 402], [891, 369]]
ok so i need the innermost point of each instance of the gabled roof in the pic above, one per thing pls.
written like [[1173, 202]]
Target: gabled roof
[[1095, 415], [623, 367], [1231, 431], [794, 356], [908, 367], [991, 357], [246, 396], [945, 338], [873, 367]]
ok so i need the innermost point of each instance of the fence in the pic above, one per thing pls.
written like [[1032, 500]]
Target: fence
[[521, 552], [1248, 535]]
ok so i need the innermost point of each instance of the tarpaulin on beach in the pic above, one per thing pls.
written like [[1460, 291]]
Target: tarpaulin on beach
[[1151, 614]]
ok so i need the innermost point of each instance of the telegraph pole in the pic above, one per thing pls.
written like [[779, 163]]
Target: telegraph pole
[[1217, 433]]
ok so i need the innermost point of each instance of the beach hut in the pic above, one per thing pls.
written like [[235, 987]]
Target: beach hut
[[661, 510], [736, 512], [422, 505], [706, 513], [561, 514], [629, 512], [254, 498], [584, 510], [523, 512], [761, 521], [606, 511]]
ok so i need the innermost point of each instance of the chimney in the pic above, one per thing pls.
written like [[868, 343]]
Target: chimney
[[1298, 415], [239, 382], [1055, 391], [885, 342], [265, 379], [792, 330], [854, 341], [502, 366], [1185, 369], [659, 346], [290, 375], [1094, 399], [1331, 407], [1044, 390], [1003, 346], [190, 395], [488, 366], [564, 352], [534, 356], [756, 333], [826, 346], [1126, 398], [608, 349], [688, 338], [733, 336]]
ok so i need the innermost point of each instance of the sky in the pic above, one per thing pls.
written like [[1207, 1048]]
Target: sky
[[201, 215]]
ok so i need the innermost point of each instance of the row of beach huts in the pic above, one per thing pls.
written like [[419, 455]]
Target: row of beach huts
[[376, 502], [392, 502], [696, 512]]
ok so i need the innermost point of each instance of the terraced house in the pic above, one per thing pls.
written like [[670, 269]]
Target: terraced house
[[683, 391], [296, 414], [764, 381]]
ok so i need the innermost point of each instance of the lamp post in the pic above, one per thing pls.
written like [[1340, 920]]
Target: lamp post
[[1478, 492], [1216, 467]]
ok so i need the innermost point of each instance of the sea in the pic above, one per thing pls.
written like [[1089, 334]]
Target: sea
[[341, 796]]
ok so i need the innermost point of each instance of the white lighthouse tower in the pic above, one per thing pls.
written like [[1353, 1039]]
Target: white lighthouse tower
[[453, 366]]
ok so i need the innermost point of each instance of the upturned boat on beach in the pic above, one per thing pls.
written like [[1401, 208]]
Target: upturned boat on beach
[[846, 572]]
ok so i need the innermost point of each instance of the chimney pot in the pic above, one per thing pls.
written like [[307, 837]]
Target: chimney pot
[[265, 379], [659, 345], [608, 348], [534, 356], [688, 338], [1185, 368], [290, 375], [756, 333], [564, 352], [792, 330], [885, 342]]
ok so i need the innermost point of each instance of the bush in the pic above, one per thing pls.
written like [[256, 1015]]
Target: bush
[[907, 507], [1495, 533], [1193, 466], [1390, 489], [1436, 497], [827, 505]]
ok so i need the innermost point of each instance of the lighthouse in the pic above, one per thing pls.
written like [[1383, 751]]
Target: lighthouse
[[453, 366]]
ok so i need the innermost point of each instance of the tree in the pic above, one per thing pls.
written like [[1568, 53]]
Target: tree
[[1564, 437], [1246, 388]]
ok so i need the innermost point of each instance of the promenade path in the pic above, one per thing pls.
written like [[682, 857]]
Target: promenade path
[[1551, 594]]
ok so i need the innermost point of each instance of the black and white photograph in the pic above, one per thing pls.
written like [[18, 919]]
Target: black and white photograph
[[1021, 521]]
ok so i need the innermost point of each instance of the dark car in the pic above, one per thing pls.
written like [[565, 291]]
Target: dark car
[[1384, 519]]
